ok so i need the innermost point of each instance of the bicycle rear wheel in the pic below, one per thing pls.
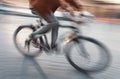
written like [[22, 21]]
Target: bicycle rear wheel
[[20, 36], [87, 54]]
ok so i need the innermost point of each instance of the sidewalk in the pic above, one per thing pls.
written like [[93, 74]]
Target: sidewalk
[[108, 20]]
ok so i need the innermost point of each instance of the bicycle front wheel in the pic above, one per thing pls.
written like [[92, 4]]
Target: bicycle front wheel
[[20, 35], [88, 54]]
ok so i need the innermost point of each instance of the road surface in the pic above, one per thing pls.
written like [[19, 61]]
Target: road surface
[[15, 66]]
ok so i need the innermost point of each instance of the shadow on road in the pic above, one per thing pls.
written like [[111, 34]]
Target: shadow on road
[[31, 61], [27, 62]]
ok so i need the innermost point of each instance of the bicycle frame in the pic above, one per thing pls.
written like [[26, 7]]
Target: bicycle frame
[[75, 40], [43, 38]]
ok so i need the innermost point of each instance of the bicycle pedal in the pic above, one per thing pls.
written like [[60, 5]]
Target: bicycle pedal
[[44, 47], [27, 44]]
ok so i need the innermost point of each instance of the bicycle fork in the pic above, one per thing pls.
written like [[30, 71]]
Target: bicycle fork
[[81, 49]]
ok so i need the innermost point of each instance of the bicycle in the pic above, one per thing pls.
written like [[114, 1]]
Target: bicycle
[[74, 45]]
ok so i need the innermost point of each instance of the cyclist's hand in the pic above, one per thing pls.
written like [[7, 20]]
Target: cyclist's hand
[[78, 21]]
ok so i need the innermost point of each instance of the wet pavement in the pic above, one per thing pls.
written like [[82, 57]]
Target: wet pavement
[[15, 66]]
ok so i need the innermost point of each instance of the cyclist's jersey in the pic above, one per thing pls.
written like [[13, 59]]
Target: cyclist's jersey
[[44, 7]]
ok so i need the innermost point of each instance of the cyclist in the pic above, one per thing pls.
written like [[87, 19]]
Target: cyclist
[[46, 9]]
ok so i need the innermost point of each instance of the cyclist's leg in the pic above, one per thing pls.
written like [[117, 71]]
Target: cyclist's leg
[[52, 24], [54, 36], [52, 19]]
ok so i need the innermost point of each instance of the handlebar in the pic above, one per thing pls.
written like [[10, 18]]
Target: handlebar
[[75, 29]]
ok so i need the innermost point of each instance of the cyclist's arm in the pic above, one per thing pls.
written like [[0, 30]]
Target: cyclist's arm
[[32, 3], [74, 18], [75, 3]]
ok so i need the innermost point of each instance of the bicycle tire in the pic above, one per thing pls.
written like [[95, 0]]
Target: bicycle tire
[[104, 58], [20, 48]]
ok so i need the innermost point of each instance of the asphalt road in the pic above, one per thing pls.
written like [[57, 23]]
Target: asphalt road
[[15, 66]]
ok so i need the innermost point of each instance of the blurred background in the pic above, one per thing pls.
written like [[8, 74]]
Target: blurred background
[[104, 10]]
